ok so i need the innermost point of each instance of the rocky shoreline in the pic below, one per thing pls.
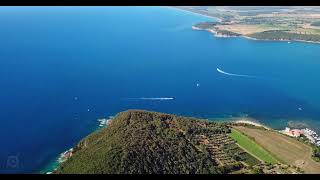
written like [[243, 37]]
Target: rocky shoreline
[[281, 40], [219, 34], [216, 33], [64, 156]]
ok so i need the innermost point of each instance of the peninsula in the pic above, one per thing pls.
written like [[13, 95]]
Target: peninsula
[[144, 142], [261, 23]]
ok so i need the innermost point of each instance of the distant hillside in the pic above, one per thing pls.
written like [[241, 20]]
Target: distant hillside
[[149, 142], [262, 23]]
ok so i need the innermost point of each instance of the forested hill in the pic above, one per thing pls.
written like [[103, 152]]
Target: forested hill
[[139, 141]]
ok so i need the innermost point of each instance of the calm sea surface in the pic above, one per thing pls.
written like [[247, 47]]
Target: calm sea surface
[[62, 68]]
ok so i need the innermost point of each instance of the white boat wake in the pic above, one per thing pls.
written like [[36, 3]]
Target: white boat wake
[[152, 98], [237, 75]]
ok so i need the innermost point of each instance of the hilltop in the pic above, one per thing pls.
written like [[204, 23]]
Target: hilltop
[[143, 142]]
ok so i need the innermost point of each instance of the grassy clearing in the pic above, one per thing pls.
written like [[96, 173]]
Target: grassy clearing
[[253, 148], [267, 27]]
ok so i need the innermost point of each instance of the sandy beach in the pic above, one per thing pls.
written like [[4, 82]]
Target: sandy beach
[[248, 121], [199, 14]]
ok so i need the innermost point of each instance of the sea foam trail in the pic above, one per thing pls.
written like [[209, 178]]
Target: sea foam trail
[[152, 98], [238, 75]]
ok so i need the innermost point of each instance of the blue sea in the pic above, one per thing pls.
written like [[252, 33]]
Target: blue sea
[[62, 68]]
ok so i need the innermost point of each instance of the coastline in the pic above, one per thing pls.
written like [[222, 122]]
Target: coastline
[[238, 120], [241, 120], [251, 38], [195, 13], [280, 40], [216, 34], [62, 157], [202, 111], [247, 121], [244, 36]]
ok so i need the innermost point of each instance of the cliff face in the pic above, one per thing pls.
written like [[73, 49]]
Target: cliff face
[[149, 142]]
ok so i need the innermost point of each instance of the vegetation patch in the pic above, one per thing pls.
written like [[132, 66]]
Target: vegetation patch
[[142, 142], [252, 147], [316, 153]]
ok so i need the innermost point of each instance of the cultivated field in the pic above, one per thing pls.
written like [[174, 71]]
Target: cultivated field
[[251, 147], [246, 29], [286, 149]]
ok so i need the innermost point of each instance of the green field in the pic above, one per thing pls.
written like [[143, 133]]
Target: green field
[[251, 147]]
